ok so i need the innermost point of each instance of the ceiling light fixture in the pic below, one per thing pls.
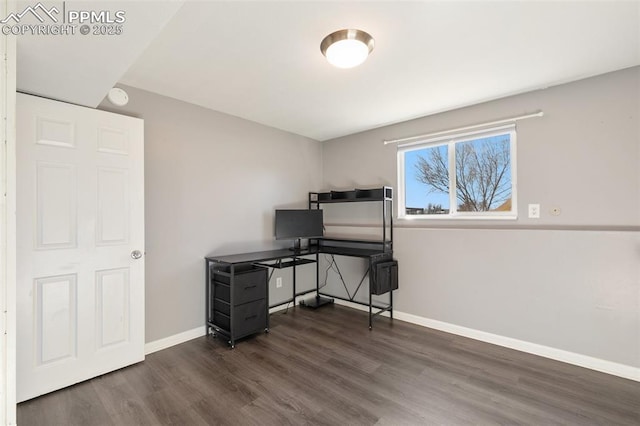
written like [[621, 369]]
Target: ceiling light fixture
[[347, 48]]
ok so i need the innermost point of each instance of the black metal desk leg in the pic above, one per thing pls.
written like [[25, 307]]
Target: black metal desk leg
[[208, 296], [370, 301], [266, 330], [232, 331], [317, 276], [294, 281]]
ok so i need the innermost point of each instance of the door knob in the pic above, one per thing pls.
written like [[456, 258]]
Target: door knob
[[136, 254]]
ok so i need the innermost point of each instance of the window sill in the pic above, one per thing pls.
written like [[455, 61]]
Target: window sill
[[458, 217]]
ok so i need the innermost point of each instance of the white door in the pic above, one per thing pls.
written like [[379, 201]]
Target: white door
[[80, 220]]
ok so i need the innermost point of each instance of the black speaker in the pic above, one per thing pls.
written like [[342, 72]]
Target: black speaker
[[385, 277]]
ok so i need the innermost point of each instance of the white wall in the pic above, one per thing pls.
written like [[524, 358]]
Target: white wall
[[212, 182], [570, 282]]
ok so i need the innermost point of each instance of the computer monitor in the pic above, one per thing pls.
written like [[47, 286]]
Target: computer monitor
[[298, 224]]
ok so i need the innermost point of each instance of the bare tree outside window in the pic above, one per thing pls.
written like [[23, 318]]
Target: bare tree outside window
[[482, 174]]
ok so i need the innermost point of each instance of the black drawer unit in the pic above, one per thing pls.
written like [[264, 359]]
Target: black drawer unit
[[247, 318], [246, 288], [237, 300]]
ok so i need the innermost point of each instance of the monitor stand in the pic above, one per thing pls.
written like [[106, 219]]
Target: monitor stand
[[316, 302], [296, 246]]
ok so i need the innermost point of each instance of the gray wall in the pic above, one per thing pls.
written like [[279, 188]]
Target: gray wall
[[571, 282], [212, 182]]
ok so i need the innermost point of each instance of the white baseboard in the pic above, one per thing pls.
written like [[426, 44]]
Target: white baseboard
[[176, 339], [185, 336], [609, 367], [280, 308]]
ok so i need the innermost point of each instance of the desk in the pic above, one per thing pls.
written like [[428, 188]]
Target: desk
[[230, 267]]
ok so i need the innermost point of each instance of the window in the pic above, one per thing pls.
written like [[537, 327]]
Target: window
[[468, 175]]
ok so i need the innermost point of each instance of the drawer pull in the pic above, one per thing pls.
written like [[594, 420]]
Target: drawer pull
[[251, 316], [251, 286]]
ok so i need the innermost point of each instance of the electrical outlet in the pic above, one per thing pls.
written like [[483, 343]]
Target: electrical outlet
[[534, 211], [279, 282]]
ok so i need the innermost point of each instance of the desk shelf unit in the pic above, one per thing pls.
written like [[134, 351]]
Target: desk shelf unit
[[383, 195], [382, 269]]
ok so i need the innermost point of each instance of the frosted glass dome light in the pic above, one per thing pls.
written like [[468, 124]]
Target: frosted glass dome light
[[347, 48]]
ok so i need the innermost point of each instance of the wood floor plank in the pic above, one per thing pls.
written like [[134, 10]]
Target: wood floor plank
[[75, 405], [325, 367], [122, 403]]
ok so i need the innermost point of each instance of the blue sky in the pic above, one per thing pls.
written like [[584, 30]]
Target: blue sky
[[417, 193]]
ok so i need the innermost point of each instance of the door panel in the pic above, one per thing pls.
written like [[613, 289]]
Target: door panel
[[113, 306], [55, 132], [113, 206], [56, 313], [56, 206], [80, 213], [113, 141]]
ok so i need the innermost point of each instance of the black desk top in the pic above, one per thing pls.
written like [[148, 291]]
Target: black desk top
[[263, 256], [259, 256]]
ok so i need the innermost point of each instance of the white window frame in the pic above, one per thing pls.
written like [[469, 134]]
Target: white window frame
[[450, 141]]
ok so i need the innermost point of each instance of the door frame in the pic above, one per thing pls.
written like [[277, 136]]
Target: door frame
[[8, 224]]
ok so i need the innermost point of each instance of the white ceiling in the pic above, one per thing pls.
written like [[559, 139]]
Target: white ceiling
[[261, 60], [82, 68]]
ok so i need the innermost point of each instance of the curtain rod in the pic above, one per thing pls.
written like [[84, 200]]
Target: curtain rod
[[490, 123]]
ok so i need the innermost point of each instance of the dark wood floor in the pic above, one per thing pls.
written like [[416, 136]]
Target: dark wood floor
[[325, 367]]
